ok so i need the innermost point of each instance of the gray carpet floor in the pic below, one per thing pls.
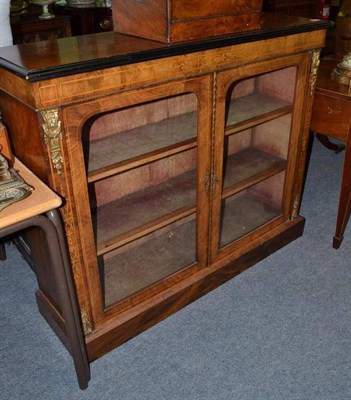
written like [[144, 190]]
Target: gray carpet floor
[[281, 330]]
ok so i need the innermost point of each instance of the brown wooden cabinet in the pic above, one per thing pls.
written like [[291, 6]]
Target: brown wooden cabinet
[[180, 20], [180, 166], [86, 20], [301, 8], [29, 28]]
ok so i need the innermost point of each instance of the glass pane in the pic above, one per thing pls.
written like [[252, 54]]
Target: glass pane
[[136, 131], [142, 181], [261, 95], [146, 261], [256, 144], [251, 208], [144, 196]]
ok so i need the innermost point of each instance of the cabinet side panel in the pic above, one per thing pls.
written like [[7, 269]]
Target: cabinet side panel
[[24, 132]]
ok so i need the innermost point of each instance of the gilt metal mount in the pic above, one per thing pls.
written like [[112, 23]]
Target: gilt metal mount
[[314, 70], [53, 137]]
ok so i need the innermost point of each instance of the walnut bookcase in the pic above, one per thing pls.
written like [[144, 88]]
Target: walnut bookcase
[[179, 166]]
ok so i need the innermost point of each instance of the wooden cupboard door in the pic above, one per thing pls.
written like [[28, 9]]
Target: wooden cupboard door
[[147, 160], [257, 130]]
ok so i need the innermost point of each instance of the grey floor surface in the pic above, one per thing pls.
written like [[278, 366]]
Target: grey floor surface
[[281, 330]]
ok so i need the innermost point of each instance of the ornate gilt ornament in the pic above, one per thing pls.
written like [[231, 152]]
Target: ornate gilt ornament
[[314, 70], [87, 329], [12, 186], [53, 136], [295, 210]]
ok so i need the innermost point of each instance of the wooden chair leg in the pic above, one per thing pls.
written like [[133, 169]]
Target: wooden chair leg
[[345, 199], [2, 251]]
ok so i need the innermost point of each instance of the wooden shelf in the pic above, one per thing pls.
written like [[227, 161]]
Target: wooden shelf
[[135, 147], [244, 213], [138, 265], [254, 109], [144, 211], [248, 167]]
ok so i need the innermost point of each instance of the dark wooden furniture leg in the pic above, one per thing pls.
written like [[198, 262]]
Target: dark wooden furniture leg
[[70, 305], [345, 198], [2, 251], [336, 147], [52, 227]]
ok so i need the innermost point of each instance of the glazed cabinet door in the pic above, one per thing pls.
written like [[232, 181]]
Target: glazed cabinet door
[[147, 161], [257, 131]]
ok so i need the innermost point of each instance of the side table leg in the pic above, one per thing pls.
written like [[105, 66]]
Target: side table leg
[[345, 197], [2, 251], [336, 147]]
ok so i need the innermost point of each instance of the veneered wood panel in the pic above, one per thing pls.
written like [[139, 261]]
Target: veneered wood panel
[[330, 116], [79, 86], [22, 123], [217, 26], [183, 9], [141, 18], [173, 21]]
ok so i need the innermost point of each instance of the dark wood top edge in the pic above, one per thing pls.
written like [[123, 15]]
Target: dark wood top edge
[[164, 50], [14, 68]]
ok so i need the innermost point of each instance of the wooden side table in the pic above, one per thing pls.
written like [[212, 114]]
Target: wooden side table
[[40, 209], [301, 8], [331, 117], [29, 28], [86, 20]]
